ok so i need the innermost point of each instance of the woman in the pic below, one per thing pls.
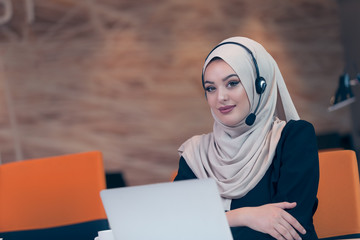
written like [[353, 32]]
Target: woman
[[262, 157]]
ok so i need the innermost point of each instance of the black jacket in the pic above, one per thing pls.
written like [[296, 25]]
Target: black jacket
[[293, 176]]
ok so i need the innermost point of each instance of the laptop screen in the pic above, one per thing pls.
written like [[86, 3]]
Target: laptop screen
[[189, 209]]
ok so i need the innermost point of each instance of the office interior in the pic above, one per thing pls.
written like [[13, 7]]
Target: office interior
[[124, 77]]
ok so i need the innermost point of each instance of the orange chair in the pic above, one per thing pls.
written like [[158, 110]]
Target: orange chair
[[52, 193], [173, 175], [338, 213]]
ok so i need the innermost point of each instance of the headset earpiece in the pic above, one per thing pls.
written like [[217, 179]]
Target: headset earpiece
[[260, 85]]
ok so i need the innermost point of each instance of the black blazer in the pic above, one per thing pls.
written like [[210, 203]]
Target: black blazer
[[293, 176]]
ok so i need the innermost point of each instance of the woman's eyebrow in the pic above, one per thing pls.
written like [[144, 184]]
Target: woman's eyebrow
[[231, 75], [226, 78], [210, 82]]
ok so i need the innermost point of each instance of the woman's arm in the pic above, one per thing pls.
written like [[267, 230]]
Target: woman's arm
[[297, 176], [270, 219]]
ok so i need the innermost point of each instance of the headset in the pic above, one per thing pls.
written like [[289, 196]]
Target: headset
[[260, 82]]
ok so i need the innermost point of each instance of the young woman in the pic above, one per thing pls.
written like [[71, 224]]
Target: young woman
[[263, 158]]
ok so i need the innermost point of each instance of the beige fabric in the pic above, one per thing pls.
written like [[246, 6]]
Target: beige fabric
[[237, 157]]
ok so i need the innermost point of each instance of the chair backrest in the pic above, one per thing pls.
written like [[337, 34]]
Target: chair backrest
[[51, 192], [338, 213], [173, 175]]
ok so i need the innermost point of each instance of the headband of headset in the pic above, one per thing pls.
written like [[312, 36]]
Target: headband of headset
[[241, 45]]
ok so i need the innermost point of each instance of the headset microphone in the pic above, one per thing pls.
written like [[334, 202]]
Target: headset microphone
[[250, 119]]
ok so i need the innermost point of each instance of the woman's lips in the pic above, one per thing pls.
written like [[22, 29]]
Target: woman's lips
[[226, 109]]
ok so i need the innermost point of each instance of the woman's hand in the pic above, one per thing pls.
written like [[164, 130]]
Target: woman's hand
[[270, 218]]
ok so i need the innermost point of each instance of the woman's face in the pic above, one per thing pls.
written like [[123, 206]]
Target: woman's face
[[226, 95]]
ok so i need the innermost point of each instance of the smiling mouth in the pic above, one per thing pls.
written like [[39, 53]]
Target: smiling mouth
[[226, 109]]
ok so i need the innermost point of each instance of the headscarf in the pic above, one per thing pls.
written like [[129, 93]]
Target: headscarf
[[237, 157]]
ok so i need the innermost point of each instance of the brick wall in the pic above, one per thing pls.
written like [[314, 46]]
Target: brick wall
[[123, 77]]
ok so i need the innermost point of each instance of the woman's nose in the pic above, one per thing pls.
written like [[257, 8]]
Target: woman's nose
[[223, 95]]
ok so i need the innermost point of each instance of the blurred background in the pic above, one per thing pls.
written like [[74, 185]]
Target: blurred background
[[124, 77]]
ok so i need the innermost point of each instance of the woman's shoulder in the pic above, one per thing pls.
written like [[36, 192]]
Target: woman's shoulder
[[298, 134], [297, 147], [298, 126], [194, 142]]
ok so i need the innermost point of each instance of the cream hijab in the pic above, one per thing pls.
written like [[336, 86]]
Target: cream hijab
[[237, 157]]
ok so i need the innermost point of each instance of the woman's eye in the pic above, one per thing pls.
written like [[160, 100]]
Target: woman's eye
[[233, 83], [210, 89]]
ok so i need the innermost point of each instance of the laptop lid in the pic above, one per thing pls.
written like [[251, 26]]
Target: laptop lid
[[189, 209]]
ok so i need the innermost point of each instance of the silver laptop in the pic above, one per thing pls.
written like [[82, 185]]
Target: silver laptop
[[186, 210]]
